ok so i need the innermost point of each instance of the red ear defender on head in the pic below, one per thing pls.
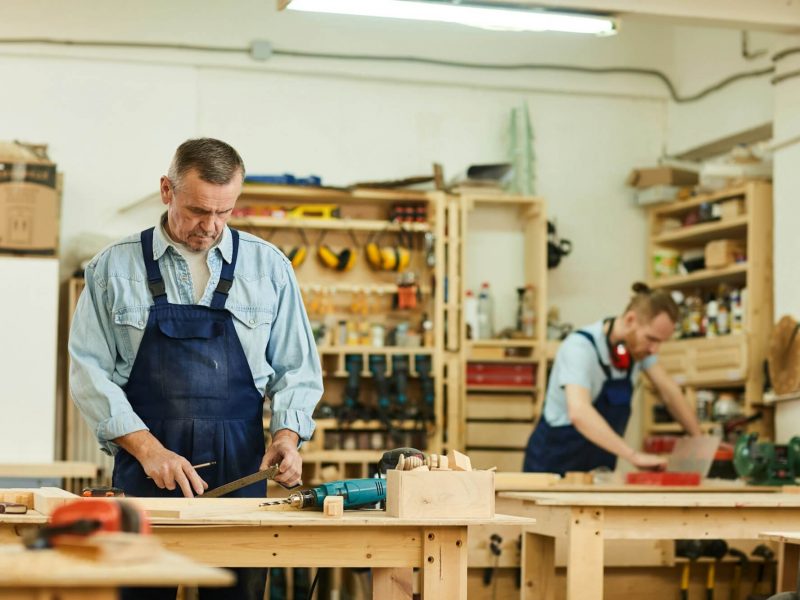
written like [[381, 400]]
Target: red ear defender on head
[[620, 357]]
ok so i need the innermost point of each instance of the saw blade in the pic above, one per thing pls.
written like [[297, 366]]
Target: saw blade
[[237, 484]]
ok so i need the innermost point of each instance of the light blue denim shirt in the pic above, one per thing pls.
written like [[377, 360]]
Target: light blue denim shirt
[[268, 315]]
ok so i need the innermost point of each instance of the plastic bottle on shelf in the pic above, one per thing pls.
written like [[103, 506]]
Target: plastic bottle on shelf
[[737, 314], [485, 313], [712, 312], [529, 312], [471, 314], [723, 318]]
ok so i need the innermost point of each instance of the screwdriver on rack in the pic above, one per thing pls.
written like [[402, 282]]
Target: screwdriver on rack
[[357, 493]]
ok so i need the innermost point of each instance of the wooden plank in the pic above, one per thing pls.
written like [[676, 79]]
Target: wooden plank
[[585, 554], [507, 462], [20, 567], [696, 522], [440, 494], [47, 499], [393, 584], [498, 435], [524, 481], [538, 557], [59, 469], [291, 546], [788, 557], [444, 570], [663, 500], [495, 407]]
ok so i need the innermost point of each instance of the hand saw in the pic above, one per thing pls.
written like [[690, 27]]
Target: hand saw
[[268, 473]]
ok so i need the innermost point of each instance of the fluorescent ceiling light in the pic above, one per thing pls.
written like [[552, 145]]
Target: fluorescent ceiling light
[[485, 17]]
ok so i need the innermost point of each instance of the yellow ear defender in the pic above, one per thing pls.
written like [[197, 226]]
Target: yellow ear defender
[[338, 261], [297, 254], [387, 258]]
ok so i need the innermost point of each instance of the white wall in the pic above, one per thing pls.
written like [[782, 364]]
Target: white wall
[[787, 189], [113, 116]]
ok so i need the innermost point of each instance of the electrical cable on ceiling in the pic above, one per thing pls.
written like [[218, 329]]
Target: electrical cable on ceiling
[[660, 75]]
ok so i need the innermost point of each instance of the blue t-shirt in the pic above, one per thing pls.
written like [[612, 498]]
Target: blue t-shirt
[[576, 363]]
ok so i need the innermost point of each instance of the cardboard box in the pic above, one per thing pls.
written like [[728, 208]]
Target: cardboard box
[[722, 253], [439, 494], [29, 201], [730, 209], [642, 178]]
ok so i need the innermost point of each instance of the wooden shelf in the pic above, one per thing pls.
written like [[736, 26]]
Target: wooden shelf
[[679, 207], [499, 343], [329, 224], [387, 350], [678, 428], [346, 456], [327, 194], [705, 232], [735, 273], [502, 388], [360, 425]]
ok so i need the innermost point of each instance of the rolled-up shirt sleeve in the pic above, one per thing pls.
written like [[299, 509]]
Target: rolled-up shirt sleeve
[[296, 385], [93, 354]]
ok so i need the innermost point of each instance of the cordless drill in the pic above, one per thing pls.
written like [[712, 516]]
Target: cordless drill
[[357, 493]]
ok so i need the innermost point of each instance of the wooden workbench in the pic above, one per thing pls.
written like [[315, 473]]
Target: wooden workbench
[[585, 520], [788, 558], [51, 574], [235, 532]]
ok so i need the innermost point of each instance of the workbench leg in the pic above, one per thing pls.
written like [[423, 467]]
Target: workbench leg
[[538, 567], [444, 563], [585, 554], [788, 558], [393, 584]]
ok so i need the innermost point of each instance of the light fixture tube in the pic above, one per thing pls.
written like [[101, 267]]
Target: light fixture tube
[[484, 17]]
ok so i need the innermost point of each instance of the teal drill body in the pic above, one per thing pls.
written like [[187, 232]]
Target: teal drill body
[[357, 493]]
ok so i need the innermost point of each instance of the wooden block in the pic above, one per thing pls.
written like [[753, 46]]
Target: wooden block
[[578, 477], [47, 499], [521, 482], [440, 494], [444, 464], [458, 461], [421, 468], [730, 209], [13, 508], [17, 497], [333, 506]]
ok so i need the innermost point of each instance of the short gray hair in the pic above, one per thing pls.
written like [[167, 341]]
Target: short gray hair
[[214, 160]]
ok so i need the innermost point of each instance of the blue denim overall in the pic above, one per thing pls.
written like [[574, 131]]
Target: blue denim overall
[[192, 386], [563, 448]]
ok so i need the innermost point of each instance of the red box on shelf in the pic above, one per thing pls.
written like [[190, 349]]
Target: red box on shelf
[[663, 478], [500, 374]]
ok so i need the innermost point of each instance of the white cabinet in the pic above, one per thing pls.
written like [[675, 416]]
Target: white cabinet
[[28, 348]]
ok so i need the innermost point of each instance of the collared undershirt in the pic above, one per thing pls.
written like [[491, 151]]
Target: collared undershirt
[[196, 259]]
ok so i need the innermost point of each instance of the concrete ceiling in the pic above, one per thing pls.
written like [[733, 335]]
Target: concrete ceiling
[[766, 15]]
